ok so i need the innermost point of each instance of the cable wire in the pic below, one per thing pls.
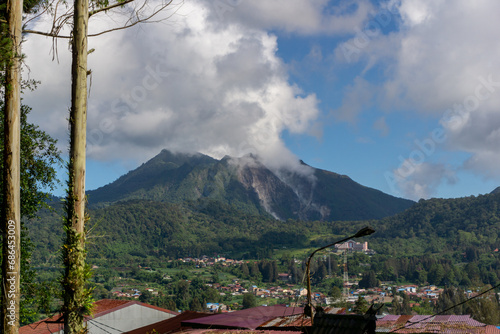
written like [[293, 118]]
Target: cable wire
[[446, 310], [113, 328]]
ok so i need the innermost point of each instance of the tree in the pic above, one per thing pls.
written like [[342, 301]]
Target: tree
[[361, 306], [244, 270], [396, 305], [485, 309], [249, 300], [146, 296], [10, 60], [405, 306], [448, 298], [11, 206], [369, 280], [196, 305], [436, 274], [215, 274], [38, 156], [77, 299], [335, 292], [321, 272], [255, 272]]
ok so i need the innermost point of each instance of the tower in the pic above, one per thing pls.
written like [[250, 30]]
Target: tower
[[345, 293]]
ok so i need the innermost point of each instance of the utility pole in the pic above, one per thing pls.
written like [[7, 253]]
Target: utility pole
[[346, 277]]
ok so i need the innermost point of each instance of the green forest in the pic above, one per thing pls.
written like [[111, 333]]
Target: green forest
[[441, 241]]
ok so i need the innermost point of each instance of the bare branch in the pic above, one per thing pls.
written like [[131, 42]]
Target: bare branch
[[36, 16], [118, 4], [135, 18], [48, 34]]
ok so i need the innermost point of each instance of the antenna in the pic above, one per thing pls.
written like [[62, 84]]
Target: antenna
[[346, 277]]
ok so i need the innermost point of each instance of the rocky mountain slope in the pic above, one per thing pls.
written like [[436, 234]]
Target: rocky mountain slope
[[248, 185]]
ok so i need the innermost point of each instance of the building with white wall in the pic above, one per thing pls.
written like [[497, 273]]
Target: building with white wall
[[110, 316]]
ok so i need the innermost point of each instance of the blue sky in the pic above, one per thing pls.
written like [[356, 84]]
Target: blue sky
[[402, 96]]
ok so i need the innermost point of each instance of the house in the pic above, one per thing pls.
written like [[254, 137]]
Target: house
[[284, 277], [352, 246], [216, 307], [302, 292], [110, 316], [212, 307]]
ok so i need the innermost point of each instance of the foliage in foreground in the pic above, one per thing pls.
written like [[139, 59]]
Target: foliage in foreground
[[39, 158]]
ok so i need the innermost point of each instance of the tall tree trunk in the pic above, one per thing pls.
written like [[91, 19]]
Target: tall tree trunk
[[11, 213], [75, 297]]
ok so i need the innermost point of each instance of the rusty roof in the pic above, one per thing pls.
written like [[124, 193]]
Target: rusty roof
[[451, 324], [105, 306], [297, 320], [169, 325], [251, 318], [44, 326], [234, 331]]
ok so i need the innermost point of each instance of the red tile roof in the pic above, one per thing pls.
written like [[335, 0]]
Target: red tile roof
[[44, 326], [105, 306]]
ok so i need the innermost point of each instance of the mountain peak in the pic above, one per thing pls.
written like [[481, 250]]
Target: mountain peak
[[245, 182]]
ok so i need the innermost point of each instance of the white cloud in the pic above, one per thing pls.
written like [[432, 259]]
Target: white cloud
[[295, 16], [437, 61], [416, 181], [415, 12], [187, 85]]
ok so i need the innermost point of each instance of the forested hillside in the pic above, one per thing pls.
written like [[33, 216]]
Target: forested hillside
[[449, 226], [460, 230], [141, 228], [441, 241], [249, 186]]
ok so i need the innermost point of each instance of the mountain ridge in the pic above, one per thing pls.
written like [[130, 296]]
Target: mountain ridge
[[246, 183]]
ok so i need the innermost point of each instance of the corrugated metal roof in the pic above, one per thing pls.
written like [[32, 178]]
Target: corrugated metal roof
[[169, 325], [390, 317], [105, 306], [299, 320], [250, 318], [101, 307], [343, 324], [450, 324], [234, 331]]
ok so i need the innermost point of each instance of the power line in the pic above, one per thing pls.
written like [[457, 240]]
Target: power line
[[97, 322], [449, 308]]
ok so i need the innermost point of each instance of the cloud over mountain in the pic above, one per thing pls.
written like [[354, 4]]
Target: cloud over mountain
[[195, 82]]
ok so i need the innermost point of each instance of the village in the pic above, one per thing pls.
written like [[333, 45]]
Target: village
[[284, 290], [381, 295]]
